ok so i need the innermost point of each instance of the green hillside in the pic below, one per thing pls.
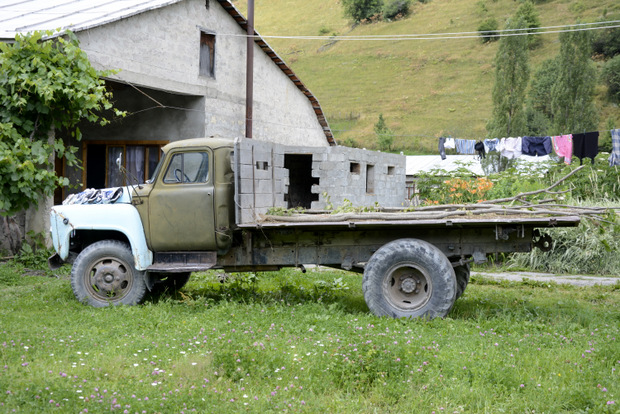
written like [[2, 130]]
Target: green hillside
[[424, 88]]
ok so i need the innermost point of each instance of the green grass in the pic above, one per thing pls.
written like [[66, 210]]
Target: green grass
[[289, 342], [425, 89]]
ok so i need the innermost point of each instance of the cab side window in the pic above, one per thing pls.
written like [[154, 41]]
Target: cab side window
[[188, 167]]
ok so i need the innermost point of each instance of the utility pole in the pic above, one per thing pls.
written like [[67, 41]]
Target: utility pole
[[249, 73]]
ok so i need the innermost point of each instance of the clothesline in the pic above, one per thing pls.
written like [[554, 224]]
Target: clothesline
[[482, 139], [581, 145]]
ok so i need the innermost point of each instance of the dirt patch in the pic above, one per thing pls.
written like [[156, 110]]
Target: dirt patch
[[577, 280]]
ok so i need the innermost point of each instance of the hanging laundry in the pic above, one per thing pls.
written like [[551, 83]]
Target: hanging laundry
[[450, 144], [510, 147], [585, 146], [479, 147], [563, 146], [442, 149], [465, 146], [491, 144], [536, 146], [614, 157]]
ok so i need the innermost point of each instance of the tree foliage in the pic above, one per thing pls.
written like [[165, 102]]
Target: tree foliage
[[393, 9], [47, 84], [527, 12], [511, 79], [359, 10], [572, 94], [611, 77], [488, 30], [385, 136], [607, 42]]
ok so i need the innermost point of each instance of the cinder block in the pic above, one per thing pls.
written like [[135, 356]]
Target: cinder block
[[246, 186], [262, 174], [246, 200], [246, 171], [264, 187], [263, 201]]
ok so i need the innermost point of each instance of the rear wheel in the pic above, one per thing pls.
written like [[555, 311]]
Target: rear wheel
[[462, 279], [104, 274], [409, 278]]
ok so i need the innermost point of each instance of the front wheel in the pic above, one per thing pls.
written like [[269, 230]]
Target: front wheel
[[104, 274], [409, 278]]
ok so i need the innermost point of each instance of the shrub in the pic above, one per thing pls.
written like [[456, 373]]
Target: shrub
[[527, 12], [611, 77], [488, 30], [607, 42], [461, 190], [385, 136], [360, 10], [395, 9]]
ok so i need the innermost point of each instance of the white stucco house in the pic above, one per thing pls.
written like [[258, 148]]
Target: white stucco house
[[181, 74]]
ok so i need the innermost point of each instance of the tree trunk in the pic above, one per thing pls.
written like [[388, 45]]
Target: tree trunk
[[38, 216]]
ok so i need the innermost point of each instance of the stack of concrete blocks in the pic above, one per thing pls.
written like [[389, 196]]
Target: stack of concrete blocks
[[261, 181], [362, 177]]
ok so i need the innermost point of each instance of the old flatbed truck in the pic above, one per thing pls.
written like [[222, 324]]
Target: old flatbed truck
[[193, 215]]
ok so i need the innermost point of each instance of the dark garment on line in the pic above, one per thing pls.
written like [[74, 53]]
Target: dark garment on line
[[442, 150], [536, 146], [585, 146], [479, 147]]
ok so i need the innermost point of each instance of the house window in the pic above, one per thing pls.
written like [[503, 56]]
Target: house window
[[207, 54], [101, 167]]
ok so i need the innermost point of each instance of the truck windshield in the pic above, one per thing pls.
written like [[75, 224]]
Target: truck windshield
[[156, 170]]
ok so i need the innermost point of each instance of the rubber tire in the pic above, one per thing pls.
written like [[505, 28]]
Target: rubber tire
[[414, 257], [462, 279], [170, 282], [115, 255]]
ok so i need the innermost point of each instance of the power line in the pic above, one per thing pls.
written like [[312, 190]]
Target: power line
[[611, 24]]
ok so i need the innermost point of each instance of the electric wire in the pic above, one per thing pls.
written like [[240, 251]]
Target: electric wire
[[529, 31]]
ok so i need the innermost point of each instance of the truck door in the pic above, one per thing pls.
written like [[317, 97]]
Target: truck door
[[181, 204]]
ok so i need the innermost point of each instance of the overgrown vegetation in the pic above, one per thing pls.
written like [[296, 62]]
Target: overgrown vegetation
[[373, 10], [47, 85], [385, 136], [591, 248], [293, 342]]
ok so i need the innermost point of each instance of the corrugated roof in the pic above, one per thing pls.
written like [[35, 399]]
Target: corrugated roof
[[22, 16], [425, 163]]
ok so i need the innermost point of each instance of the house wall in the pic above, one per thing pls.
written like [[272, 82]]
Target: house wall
[[160, 49]]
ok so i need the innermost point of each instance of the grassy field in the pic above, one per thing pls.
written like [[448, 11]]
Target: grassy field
[[288, 342], [424, 88]]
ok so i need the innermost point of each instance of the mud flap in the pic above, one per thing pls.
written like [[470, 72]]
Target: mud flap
[[55, 262]]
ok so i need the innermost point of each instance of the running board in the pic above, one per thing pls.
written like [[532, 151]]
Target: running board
[[176, 262]]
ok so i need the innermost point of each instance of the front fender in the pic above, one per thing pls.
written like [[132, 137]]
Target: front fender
[[124, 218]]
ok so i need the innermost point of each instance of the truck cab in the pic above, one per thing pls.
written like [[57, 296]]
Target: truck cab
[[154, 233], [187, 205]]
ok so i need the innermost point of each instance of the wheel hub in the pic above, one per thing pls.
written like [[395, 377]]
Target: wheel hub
[[409, 284], [109, 279]]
